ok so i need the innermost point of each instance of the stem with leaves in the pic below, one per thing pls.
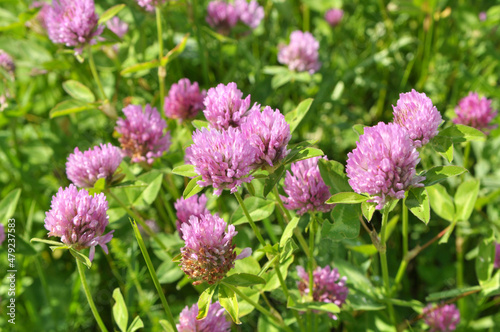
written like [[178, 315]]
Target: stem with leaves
[[94, 72], [89, 296], [383, 263], [249, 218]]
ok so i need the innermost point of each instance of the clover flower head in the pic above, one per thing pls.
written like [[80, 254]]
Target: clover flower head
[[224, 107], [334, 16], [143, 136], [383, 163], [444, 318], [301, 54], [223, 158], [215, 321], [118, 27], [192, 206], [184, 100], [79, 219], [73, 23], [250, 13], [221, 16], [305, 188], [475, 112], [328, 286], [415, 112]]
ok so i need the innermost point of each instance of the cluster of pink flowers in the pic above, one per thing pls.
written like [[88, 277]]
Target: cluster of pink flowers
[[7, 63], [334, 16], [328, 286], [215, 321], [193, 206], [223, 16], [301, 54], [184, 100], [475, 112], [118, 27], [444, 318]]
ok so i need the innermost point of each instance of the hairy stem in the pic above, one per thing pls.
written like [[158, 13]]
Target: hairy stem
[[383, 263]]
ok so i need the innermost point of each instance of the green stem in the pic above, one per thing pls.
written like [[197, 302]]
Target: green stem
[[259, 307], [154, 277], [252, 224], [161, 69], [89, 296], [405, 228], [201, 46], [94, 72], [466, 154], [311, 254], [459, 243], [383, 263]]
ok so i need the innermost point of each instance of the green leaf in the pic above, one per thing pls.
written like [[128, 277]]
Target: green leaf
[[258, 208], [345, 226], [68, 107], [167, 327], [485, 261], [81, 257], [9, 203], [273, 179], [78, 91], [465, 199], [281, 79], [151, 192], [243, 280], [295, 117], [447, 235], [53, 243], [136, 324], [441, 202], [288, 232], [205, 300], [185, 170], [418, 203], [334, 176], [120, 312], [192, 188], [320, 306], [176, 51], [199, 124], [140, 67], [460, 133], [110, 13], [451, 293], [228, 300], [169, 272], [365, 249], [443, 146], [440, 173], [305, 153], [359, 129], [347, 198], [368, 209]]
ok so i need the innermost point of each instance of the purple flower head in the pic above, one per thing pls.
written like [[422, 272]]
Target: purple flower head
[[474, 112], [150, 5], [224, 107], [223, 158], [250, 13], [221, 16], [497, 256], [142, 133], [7, 63], [214, 322], [383, 163], [73, 23], [306, 189], [85, 168], [2, 234], [79, 219], [444, 318], [118, 27], [482, 16], [415, 112], [301, 54], [184, 100], [328, 286], [193, 206], [208, 253], [334, 16], [269, 132]]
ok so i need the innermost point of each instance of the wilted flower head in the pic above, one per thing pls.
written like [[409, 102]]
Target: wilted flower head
[[250, 13], [383, 163], [328, 286], [416, 113], [2, 234], [85, 168], [497, 256], [150, 5], [142, 133], [334, 16], [301, 54], [224, 107], [118, 27], [475, 112], [7, 63], [445, 318], [222, 16], [305, 188], [223, 158], [73, 23], [193, 206], [79, 219], [269, 132], [214, 322], [208, 253], [184, 100]]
